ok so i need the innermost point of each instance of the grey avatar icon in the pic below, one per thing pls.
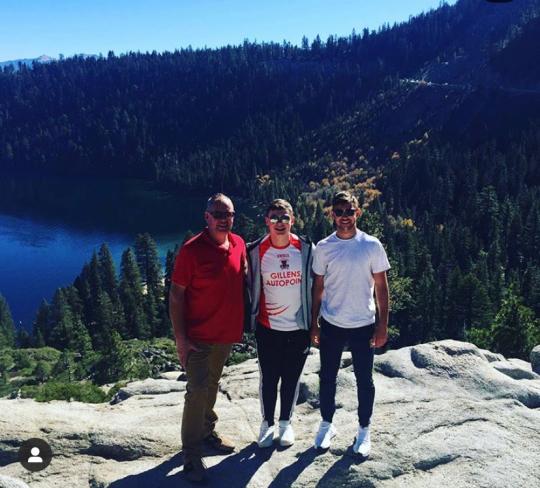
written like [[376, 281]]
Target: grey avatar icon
[[35, 454]]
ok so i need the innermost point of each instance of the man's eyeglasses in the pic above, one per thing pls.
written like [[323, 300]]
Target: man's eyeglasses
[[221, 214], [280, 218], [349, 212]]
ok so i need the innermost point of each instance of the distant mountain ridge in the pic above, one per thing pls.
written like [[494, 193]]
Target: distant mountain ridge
[[43, 59], [27, 61]]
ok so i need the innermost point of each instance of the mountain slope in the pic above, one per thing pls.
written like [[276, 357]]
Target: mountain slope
[[227, 115]]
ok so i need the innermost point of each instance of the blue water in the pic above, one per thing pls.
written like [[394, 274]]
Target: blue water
[[49, 229]]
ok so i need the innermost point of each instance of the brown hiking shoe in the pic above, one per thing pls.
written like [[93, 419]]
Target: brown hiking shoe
[[219, 442], [195, 470]]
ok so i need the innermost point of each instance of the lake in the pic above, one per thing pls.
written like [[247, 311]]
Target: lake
[[50, 227]]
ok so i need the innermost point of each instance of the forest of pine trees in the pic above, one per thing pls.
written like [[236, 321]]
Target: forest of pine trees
[[102, 308]]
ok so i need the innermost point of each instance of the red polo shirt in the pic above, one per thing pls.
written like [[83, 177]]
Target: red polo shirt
[[214, 282]]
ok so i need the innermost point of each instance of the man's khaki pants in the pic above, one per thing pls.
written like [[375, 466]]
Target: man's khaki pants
[[203, 369]]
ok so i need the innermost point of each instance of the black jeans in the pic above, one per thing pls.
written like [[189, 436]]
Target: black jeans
[[333, 341], [282, 355]]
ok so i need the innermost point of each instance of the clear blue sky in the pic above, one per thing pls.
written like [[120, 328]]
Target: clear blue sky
[[30, 28]]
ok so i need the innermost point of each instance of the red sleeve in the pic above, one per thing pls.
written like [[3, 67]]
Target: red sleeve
[[183, 268]]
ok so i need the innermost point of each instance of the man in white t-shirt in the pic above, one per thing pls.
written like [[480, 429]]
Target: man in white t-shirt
[[348, 266]]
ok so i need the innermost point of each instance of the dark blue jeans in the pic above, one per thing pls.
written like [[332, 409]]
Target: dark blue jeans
[[333, 341]]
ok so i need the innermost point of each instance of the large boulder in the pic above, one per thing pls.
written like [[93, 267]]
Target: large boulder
[[446, 414]]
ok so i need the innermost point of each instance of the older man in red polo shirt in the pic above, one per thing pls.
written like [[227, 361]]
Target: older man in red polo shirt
[[207, 313]]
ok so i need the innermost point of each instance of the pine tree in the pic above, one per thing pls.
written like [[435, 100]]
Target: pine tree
[[82, 283], [474, 307], [105, 322], [79, 339], [64, 368], [531, 287], [131, 294], [152, 314], [61, 320], [169, 268], [74, 301], [42, 371], [149, 265], [94, 281], [108, 273], [425, 295], [115, 363], [515, 328], [7, 327], [42, 326]]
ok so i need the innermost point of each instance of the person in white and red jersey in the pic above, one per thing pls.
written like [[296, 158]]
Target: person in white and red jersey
[[280, 282]]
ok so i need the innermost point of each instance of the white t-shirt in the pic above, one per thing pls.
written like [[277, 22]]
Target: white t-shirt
[[347, 266], [281, 280]]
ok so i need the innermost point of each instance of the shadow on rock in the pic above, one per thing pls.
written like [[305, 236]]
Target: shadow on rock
[[155, 477], [287, 476], [236, 471], [339, 474]]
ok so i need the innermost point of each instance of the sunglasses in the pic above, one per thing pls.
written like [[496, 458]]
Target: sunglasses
[[279, 218], [339, 212], [221, 214]]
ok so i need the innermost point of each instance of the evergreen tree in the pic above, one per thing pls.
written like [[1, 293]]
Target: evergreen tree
[[169, 268], [424, 316], [79, 339], [474, 306], [515, 329], [42, 371], [82, 284], [64, 368], [94, 279], [108, 273], [115, 363], [74, 301], [148, 262], [105, 322], [132, 297], [7, 327], [62, 321], [42, 325]]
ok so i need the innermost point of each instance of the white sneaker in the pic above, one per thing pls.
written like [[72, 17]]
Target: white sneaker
[[266, 435], [362, 443], [286, 433], [326, 433]]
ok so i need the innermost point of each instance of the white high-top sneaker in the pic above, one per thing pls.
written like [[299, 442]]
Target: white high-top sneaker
[[286, 433], [326, 433], [362, 443], [266, 435]]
